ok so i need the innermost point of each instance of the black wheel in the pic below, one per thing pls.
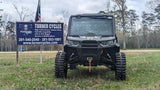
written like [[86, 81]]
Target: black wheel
[[56, 65], [120, 72], [112, 68], [61, 65]]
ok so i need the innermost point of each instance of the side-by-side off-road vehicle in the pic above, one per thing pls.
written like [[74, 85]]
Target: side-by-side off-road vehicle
[[91, 40]]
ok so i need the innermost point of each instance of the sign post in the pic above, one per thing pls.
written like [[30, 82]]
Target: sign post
[[17, 53], [40, 54], [39, 33]]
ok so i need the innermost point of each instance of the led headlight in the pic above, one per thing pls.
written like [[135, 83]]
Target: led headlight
[[75, 43], [106, 43]]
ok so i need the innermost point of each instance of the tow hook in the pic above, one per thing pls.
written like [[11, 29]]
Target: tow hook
[[89, 59]]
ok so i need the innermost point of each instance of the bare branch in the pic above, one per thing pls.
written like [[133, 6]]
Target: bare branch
[[23, 13], [19, 13]]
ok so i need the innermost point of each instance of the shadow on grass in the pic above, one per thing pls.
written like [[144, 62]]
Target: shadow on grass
[[82, 72]]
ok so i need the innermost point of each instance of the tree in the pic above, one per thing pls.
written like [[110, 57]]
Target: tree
[[147, 21], [133, 17], [122, 8], [11, 35], [131, 32], [157, 12], [1, 28], [6, 18], [23, 12], [152, 4], [65, 16], [0, 33], [1, 38]]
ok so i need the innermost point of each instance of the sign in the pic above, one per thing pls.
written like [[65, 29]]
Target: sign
[[41, 33]]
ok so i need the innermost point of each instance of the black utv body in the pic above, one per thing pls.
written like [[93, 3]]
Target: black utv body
[[91, 37]]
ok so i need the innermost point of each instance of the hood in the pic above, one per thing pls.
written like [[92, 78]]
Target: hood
[[96, 38]]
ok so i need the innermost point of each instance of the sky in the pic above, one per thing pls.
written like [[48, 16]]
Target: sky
[[51, 10]]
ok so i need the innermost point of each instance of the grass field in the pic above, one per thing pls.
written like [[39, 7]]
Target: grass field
[[143, 73]]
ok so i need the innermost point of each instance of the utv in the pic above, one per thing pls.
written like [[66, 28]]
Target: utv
[[91, 40]]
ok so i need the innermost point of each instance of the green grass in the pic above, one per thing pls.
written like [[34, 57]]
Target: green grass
[[143, 72]]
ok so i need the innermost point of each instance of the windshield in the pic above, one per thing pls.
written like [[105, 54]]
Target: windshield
[[91, 26]]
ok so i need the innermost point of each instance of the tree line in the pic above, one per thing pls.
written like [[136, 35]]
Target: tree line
[[133, 31]]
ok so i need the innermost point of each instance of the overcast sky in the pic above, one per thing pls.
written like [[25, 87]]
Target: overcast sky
[[52, 9]]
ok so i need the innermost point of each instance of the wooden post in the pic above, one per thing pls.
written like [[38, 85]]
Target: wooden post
[[17, 56]]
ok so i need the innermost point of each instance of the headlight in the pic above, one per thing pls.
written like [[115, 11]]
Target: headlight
[[106, 43], [75, 43]]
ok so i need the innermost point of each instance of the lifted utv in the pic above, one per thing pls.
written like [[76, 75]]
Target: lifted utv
[[91, 41]]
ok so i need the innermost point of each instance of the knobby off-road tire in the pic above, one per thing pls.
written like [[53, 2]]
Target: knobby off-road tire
[[112, 68], [120, 72], [61, 65], [56, 65]]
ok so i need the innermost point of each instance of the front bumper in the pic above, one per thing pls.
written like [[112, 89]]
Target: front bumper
[[100, 55]]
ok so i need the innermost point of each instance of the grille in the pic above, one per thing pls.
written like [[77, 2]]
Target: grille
[[89, 51], [89, 44]]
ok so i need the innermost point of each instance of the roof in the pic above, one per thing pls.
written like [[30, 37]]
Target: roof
[[91, 14]]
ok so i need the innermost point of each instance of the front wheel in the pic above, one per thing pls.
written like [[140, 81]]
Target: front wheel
[[61, 65], [120, 72]]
